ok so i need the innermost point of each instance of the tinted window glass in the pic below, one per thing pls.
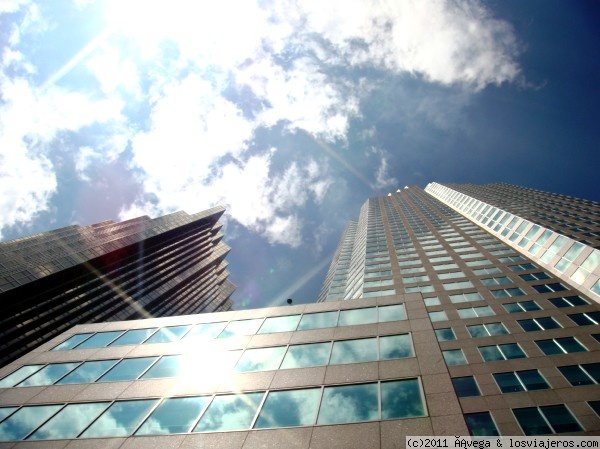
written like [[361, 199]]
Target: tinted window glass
[[289, 408], [99, 340], [395, 347], [205, 330], [391, 313], [49, 374], [358, 402], [312, 354], [133, 337], [481, 424], [87, 372], [128, 369], [24, 420], [17, 376], [121, 419], [358, 316], [175, 415], [401, 399], [446, 334], [230, 412], [167, 366], [260, 359], [70, 421], [354, 351], [279, 324], [318, 320], [465, 386], [70, 343], [242, 327], [168, 334]]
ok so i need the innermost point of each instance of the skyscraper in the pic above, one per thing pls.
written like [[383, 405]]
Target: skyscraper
[[143, 267]]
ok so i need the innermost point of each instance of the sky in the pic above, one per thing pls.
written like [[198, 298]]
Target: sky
[[288, 113]]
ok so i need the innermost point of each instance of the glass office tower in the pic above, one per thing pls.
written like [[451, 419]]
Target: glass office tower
[[143, 267]]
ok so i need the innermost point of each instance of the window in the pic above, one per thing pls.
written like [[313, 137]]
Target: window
[[70, 421], [476, 263], [451, 275], [354, 351], [260, 359], [546, 420], [358, 316], [20, 374], [595, 405], [279, 324], [318, 320], [564, 345], [511, 259], [241, 327], [445, 334], [501, 352], [585, 319], [22, 422], [486, 330], [457, 285], [481, 424], [120, 419], [378, 283], [465, 386], [311, 354], [87, 372], [289, 408], [496, 281], [520, 381], [522, 267], [454, 357], [523, 306], [433, 301], [128, 369], [549, 288], [49, 374], [483, 271], [174, 415], [568, 301], [465, 297], [587, 374], [538, 324], [507, 293], [473, 312], [410, 279], [133, 337], [534, 276], [412, 270], [99, 340], [230, 412], [446, 266], [438, 316], [395, 312]]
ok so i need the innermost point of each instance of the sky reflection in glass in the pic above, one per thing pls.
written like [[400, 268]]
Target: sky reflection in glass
[[49, 374], [401, 399], [175, 415], [205, 330], [230, 412], [70, 421], [24, 420], [121, 419], [168, 334], [17, 376], [167, 366], [318, 320], [133, 337], [349, 403], [128, 369], [358, 316], [87, 372], [395, 347], [279, 324], [354, 351], [242, 327], [70, 343], [260, 359], [312, 354], [99, 340], [391, 313], [289, 408]]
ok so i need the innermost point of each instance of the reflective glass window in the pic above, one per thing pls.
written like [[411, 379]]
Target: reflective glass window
[[358, 316], [73, 341], [22, 422], [70, 421], [168, 334], [396, 312], [354, 351], [289, 408], [87, 372], [481, 424], [128, 369], [241, 327], [454, 357], [531, 421], [120, 419], [205, 330], [311, 354], [568, 301], [133, 337], [167, 366], [446, 334], [230, 412], [174, 415], [523, 306], [538, 324], [49, 374], [279, 324], [401, 399], [465, 386], [349, 403], [318, 320], [17, 376], [585, 319], [5, 411], [260, 359], [99, 340], [560, 345], [438, 316], [395, 347]]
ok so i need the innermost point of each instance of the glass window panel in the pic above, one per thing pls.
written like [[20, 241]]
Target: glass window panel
[[205, 330], [349, 403], [433, 301], [481, 424], [5, 411], [167, 366], [454, 357], [529, 325], [260, 359], [446, 334], [496, 329], [354, 351], [569, 344], [174, 415], [395, 347], [358, 316], [547, 323], [512, 351], [549, 347], [23, 421], [575, 375], [530, 305], [438, 316], [70, 343], [465, 386], [87, 372], [230, 412], [533, 380], [17, 376], [560, 418], [128, 369], [490, 353], [99, 340], [531, 421], [133, 337], [312, 354], [70, 421], [168, 334], [279, 324], [395, 312], [121, 419], [477, 331], [401, 399], [289, 408], [593, 369], [49, 374], [242, 327], [508, 382]]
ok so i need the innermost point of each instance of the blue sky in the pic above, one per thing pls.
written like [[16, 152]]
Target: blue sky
[[288, 113]]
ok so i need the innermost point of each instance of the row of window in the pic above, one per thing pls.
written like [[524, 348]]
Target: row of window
[[491, 353], [226, 329], [254, 359], [544, 420], [254, 410]]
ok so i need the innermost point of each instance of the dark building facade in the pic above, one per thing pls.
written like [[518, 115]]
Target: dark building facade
[[138, 268], [510, 282]]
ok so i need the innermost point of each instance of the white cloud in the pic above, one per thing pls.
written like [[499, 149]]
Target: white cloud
[[115, 73], [382, 177], [8, 6]]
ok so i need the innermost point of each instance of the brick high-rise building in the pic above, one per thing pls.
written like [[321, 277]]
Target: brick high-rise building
[[138, 268]]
